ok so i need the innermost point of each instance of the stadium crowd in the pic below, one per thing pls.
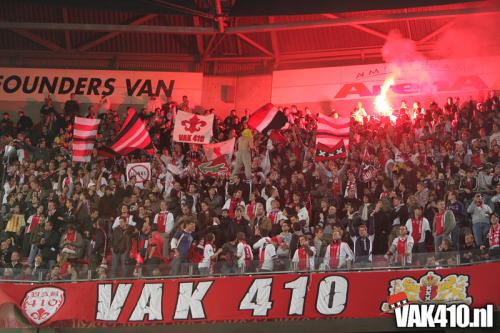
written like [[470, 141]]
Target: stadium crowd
[[414, 187]]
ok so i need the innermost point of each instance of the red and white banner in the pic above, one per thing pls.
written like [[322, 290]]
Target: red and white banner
[[84, 137], [193, 128], [333, 130], [257, 297], [342, 87], [214, 150]]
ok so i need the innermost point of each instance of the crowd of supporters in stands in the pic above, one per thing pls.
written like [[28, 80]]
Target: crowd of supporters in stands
[[414, 188]]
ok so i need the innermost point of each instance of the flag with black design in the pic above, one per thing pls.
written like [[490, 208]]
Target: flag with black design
[[325, 153], [267, 118], [132, 136]]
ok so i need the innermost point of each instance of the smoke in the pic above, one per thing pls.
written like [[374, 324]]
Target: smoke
[[473, 36], [468, 37], [403, 58]]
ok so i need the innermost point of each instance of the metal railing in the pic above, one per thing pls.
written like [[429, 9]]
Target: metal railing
[[280, 265]]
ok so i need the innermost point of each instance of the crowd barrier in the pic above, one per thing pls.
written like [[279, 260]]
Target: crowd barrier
[[359, 290]]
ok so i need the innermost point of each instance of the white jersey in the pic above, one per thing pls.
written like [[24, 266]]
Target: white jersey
[[345, 254], [424, 226], [116, 223], [310, 264], [244, 253], [208, 252], [267, 253], [409, 246]]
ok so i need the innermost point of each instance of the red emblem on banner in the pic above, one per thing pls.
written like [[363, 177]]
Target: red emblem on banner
[[194, 124], [41, 304], [428, 289]]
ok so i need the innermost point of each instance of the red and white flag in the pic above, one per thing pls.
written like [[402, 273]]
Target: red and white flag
[[214, 150], [266, 118], [84, 137], [332, 130], [193, 128], [132, 136]]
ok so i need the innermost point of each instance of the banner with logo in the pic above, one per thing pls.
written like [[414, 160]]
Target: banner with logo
[[257, 297], [141, 172], [193, 128], [217, 167], [121, 87], [342, 87]]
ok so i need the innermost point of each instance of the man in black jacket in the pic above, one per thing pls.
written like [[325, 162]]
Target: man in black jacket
[[99, 243], [49, 244], [120, 245], [239, 224]]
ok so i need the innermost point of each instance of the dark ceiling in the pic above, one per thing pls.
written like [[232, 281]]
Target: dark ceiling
[[218, 36]]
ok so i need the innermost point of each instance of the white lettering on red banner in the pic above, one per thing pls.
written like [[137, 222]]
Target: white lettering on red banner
[[240, 298]]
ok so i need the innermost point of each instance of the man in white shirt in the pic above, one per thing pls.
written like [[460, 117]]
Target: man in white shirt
[[419, 228], [304, 255], [125, 214], [243, 253], [267, 253], [338, 254], [164, 222], [401, 248]]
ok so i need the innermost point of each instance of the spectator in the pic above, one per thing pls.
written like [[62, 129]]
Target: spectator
[[401, 248], [304, 256], [480, 213], [181, 243], [419, 229], [493, 238], [120, 246], [338, 254]]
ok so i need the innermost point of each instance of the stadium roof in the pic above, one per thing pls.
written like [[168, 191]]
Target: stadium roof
[[218, 36]]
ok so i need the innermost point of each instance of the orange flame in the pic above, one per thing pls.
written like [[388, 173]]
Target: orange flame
[[382, 105]]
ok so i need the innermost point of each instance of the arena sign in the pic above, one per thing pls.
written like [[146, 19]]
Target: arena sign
[[122, 87], [258, 297], [342, 87]]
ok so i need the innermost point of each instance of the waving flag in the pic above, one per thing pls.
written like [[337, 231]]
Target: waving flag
[[84, 137], [331, 131], [132, 136], [325, 153], [214, 150], [193, 128], [267, 118]]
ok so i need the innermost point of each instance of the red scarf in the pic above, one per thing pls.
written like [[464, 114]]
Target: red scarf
[[303, 259], [495, 236], [70, 236], [416, 229], [439, 223], [34, 222], [273, 216], [334, 254], [336, 185], [401, 248], [232, 206], [162, 221], [251, 210], [67, 181]]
